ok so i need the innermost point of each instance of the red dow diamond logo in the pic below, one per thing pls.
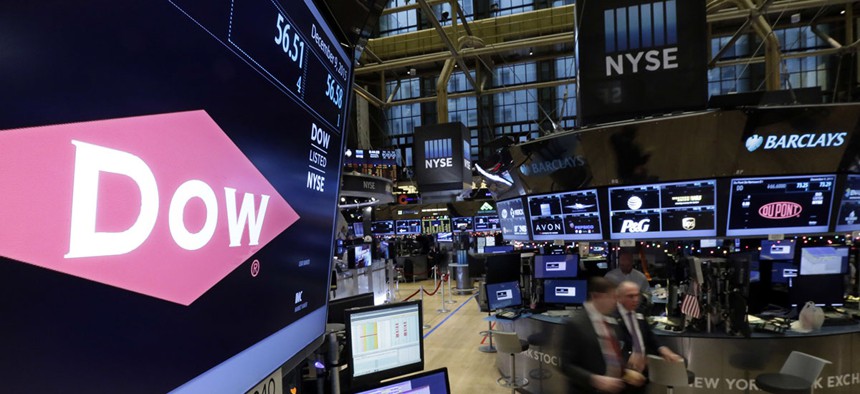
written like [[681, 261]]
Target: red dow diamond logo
[[163, 205]]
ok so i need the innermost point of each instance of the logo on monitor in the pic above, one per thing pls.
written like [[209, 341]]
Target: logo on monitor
[[565, 291], [641, 37], [780, 210], [688, 223], [851, 218], [754, 142], [438, 153], [632, 226], [163, 205], [634, 203], [502, 295]]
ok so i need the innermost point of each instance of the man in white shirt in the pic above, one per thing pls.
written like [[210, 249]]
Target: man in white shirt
[[625, 272]]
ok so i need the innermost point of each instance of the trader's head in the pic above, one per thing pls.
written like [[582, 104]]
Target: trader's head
[[601, 293], [625, 261], [628, 295]]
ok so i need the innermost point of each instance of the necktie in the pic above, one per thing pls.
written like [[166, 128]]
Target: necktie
[[637, 346], [611, 352]]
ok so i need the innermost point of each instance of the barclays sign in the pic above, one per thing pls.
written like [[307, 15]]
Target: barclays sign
[[548, 167], [795, 141]]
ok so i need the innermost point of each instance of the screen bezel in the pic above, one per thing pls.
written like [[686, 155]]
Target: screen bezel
[[374, 378], [598, 236], [386, 384], [760, 231], [540, 273]]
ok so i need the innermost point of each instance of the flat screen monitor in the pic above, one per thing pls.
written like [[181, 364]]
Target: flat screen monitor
[[823, 260], [337, 307], [497, 249], [564, 291], [487, 223], [360, 256], [571, 216], [783, 272], [777, 250], [556, 266], [666, 210], [429, 382], [408, 226], [435, 224], [444, 237], [358, 229], [382, 227], [820, 289], [512, 217], [460, 224], [780, 205], [385, 341], [183, 185], [849, 206], [503, 295]]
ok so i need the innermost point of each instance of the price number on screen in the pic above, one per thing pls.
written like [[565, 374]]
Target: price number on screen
[[825, 184], [334, 92], [289, 40], [803, 185]]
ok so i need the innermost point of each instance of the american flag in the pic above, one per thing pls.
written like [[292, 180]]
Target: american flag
[[690, 304]]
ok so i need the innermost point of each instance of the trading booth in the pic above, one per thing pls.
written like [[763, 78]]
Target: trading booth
[[739, 216]]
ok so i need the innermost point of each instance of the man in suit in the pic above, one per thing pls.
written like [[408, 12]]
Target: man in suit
[[591, 356], [634, 333]]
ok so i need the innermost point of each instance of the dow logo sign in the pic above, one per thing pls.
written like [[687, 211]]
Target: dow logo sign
[[641, 38], [163, 205], [438, 153]]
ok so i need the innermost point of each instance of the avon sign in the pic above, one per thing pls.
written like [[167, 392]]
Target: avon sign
[[163, 205]]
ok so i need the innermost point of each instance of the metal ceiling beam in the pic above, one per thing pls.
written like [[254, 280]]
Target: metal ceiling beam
[[413, 6], [368, 96], [553, 39], [428, 12], [775, 8], [505, 89]]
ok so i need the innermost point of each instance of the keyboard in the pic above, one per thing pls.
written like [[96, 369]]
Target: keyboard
[[509, 315]]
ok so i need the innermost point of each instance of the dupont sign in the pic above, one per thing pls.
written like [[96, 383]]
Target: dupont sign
[[163, 205], [780, 210]]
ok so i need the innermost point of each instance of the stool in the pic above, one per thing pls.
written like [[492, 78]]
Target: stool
[[668, 373], [539, 340], [508, 342], [798, 375]]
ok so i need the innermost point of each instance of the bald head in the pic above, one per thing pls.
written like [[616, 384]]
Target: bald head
[[625, 261], [628, 295]]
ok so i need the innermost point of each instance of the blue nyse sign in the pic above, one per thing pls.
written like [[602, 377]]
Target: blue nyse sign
[[640, 58]]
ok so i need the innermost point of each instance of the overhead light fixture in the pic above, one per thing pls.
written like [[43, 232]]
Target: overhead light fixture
[[531, 52], [842, 12]]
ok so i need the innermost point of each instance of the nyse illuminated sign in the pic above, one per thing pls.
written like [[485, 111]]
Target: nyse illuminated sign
[[438, 153], [641, 38]]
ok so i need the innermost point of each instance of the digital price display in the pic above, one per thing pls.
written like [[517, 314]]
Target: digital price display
[[780, 205], [187, 220], [435, 224], [667, 210], [572, 216], [487, 223], [849, 207], [460, 224], [382, 227], [408, 226], [513, 220]]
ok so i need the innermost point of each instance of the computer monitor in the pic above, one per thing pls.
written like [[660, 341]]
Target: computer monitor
[[444, 237], [499, 249], [337, 307], [823, 260], [429, 382], [556, 266], [359, 256], [385, 341], [783, 272], [820, 289], [777, 250], [504, 295], [564, 291], [358, 229], [503, 267]]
